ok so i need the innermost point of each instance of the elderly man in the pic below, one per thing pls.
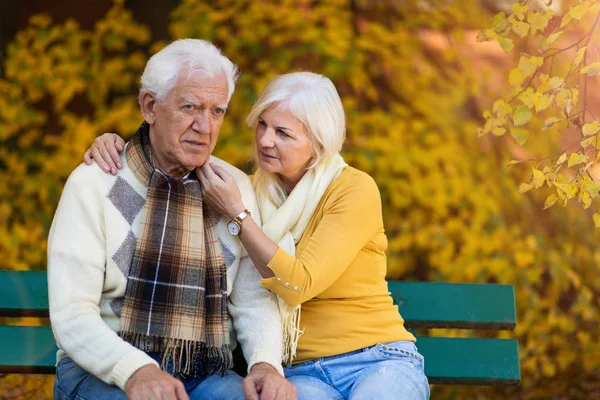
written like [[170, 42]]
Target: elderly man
[[146, 283]]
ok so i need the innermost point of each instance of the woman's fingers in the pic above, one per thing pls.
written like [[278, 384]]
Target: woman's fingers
[[220, 172], [87, 157], [114, 151]]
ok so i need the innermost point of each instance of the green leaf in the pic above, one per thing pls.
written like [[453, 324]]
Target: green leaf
[[537, 21], [550, 200], [520, 28], [521, 115], [516, 77], [520, 135], [538, 178], [577, 12], [596, 220], [506, 44], [590, 129], [576, 159], [519, 11], [499, 22]]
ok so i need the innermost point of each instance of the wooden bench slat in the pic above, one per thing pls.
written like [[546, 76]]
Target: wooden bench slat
[[422, 304], [23, 293], [447, 360], [455, 305], [470, 361]]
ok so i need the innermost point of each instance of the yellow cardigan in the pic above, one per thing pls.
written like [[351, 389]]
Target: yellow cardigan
[[338, 273]]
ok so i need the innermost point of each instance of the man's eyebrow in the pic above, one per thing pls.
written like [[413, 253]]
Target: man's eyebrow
[[223, 106], [188, 100]]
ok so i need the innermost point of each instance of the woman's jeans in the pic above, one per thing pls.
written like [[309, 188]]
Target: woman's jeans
[[391, 371], [74, 383]]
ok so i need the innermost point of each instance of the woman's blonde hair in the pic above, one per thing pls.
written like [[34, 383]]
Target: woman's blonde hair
[[314, 101]]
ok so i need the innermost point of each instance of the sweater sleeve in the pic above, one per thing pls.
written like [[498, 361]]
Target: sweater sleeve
[[76, 266], [352, 217], [254, 310]]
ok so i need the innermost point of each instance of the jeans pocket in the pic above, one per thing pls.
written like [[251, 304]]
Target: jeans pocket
[[401, 350]]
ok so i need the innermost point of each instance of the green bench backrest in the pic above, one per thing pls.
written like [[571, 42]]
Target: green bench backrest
[[422, 304]]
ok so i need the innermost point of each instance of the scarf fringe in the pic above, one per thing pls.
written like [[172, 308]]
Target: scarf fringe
[[290, 323], [191, 359]]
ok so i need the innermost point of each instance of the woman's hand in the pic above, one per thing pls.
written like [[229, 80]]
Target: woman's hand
[[105, 152], [220, 190]]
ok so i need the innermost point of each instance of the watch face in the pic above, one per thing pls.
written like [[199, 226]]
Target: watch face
[[233, 228]]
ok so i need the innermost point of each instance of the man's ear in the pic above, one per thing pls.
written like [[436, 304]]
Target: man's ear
[[148, 104]]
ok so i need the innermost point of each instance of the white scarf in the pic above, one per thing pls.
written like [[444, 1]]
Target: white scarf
[[285, 226]]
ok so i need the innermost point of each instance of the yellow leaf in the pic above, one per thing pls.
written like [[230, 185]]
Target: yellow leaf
[[550, 200], [538, 178], [520, 28], [590, 129], [550, 122], [516, 77], [566, 19], [596, 220], [541, 101], [576, 159], [520, 135], [579, 56], [499, 22], [553, 37], [577, 12], [592, 69], [519, 11], [537, 21], [524, 187], [521, 115], [526, 66]]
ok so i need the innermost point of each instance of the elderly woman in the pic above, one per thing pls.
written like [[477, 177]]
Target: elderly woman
[[321, 248]]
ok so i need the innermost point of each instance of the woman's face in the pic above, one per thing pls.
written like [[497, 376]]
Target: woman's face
[[283, 144]]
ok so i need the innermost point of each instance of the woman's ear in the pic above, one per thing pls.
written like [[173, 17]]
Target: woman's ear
[[148, 104]]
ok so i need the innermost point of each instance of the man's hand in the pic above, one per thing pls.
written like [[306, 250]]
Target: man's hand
[[150, 383], [264, 380]]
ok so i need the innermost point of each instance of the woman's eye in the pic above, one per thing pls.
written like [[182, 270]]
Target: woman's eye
[[282, 133], [262, 123]]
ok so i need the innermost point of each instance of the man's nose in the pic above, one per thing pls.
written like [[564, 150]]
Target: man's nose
[[201, 122]]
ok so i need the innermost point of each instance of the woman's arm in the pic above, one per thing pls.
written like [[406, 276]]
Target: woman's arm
[[105, 152], [351, 220]]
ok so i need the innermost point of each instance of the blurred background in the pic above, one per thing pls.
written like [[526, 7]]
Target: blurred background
[[414, 85]]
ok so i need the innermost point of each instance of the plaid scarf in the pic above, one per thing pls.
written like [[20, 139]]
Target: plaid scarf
[[176, 295]]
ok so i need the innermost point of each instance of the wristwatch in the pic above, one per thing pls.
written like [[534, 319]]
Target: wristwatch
[[235, 225]]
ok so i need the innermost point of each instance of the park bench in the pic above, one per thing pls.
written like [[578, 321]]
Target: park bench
[[448, 360]]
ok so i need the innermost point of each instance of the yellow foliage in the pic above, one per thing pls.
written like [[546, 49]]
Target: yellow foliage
[[452, 212]]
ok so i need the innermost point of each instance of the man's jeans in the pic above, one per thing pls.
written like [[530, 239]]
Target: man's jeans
[[74, 383], [391, 371]]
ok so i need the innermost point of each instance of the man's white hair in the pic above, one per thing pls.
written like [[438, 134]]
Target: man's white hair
[[314, 101], [191, 56]]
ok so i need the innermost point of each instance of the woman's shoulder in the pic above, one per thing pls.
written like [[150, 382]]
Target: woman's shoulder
[[354, 179]]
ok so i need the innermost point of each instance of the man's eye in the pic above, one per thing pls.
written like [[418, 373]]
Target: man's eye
[[219, 111], [188, 107]]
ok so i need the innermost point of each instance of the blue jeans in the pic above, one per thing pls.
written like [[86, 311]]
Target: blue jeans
[[391, 371], [74, 383]]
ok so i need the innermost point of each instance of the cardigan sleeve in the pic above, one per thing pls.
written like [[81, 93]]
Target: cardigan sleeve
[[76, 266], [352, 217], [254, 309]]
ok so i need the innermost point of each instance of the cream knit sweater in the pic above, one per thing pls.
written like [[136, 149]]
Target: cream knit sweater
[[90, 247]]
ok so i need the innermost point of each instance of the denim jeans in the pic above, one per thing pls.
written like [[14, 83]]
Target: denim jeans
[[74, 383], [393, 371]]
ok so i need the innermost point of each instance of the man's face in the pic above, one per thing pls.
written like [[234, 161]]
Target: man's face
[[186, 125]]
